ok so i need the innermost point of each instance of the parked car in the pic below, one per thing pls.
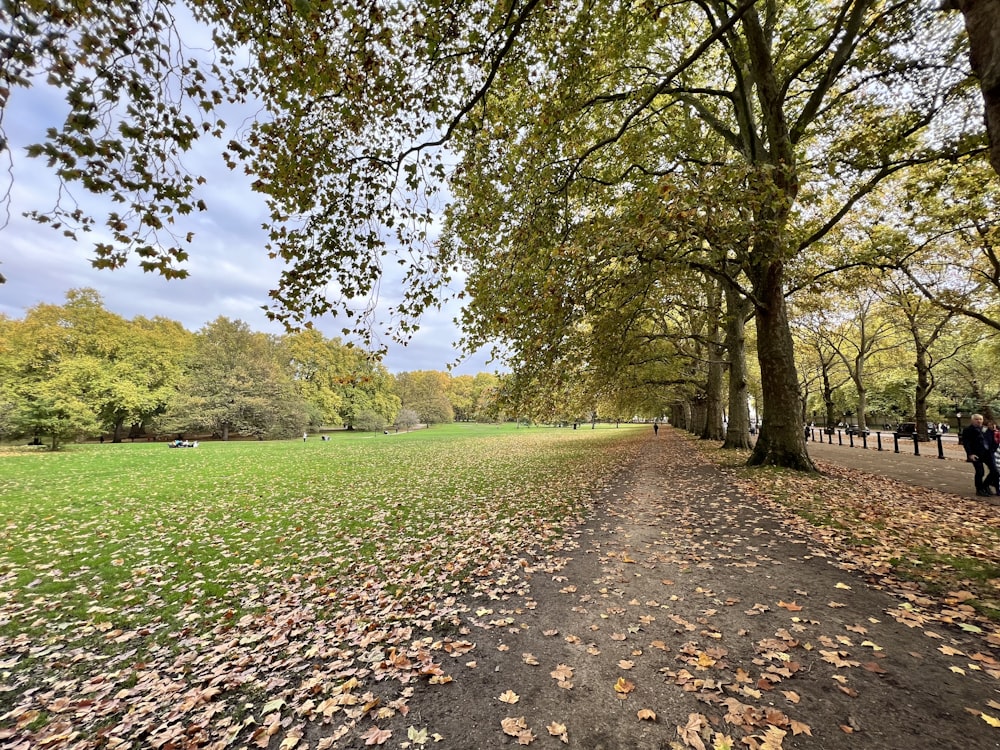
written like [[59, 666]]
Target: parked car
[[853, 429], [909, 429]]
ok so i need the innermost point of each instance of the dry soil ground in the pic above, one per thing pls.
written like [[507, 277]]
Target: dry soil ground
[[686, 615]]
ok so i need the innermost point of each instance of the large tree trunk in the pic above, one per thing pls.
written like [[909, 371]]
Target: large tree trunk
[[781, 441], [982, 23], [713, 428], [737, 311], [119, 425], [922, 391]]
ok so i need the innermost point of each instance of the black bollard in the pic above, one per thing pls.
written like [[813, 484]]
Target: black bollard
[[940, 447], [895, 443], [878, 437], [916, 445]]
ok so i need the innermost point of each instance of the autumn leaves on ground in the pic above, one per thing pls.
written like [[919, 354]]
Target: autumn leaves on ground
[[486, 587]]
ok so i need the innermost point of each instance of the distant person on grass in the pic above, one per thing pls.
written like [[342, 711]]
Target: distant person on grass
[[980, 446], [656, 428]]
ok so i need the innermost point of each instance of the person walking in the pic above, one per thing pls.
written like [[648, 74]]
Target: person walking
[[980, 445], [656, 429]]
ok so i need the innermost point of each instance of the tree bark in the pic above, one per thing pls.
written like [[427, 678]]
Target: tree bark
[[781, 441], [713, 428], [737, 310], [982, 23]]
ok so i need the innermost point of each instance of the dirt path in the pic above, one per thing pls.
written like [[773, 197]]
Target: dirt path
[[683, 599]]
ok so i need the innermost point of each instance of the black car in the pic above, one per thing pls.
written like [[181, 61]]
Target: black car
[[853, 429]]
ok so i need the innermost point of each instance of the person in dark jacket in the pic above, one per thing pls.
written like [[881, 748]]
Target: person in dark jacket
[[980, 444]]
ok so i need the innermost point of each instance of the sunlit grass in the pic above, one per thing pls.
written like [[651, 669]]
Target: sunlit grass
[[141, 536]]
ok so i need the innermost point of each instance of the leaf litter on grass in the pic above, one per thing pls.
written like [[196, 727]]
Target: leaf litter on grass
[[297, 608]]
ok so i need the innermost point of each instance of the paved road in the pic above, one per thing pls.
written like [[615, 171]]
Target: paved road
[[950, 474]]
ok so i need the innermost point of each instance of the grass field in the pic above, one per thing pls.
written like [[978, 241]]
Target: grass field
[[117, 555]]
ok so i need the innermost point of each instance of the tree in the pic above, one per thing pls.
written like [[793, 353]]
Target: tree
[[76, 369], [236, 384], [340, 381], [798, 103], [407, 419], [982, 19], [426, 393]]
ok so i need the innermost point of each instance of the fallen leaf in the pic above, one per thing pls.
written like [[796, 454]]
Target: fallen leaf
[[790, 606], [510, 697], [558, 730], [529, 659], [376, 736], [562, 672], [623, 686], [646, 714]]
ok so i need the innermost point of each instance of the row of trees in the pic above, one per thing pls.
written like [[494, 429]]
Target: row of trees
[[77, 369], [628, 185]]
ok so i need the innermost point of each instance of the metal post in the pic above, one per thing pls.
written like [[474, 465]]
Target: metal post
[[878, 436], [916, 444], [864, 439], [840, 439], [940, 447], [895, 442], [850, 439]]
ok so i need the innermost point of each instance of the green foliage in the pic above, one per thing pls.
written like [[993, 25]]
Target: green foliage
[[235, 382]]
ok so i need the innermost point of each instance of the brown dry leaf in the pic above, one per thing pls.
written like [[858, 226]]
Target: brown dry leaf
[[623, 686], [559, 730], [376, 736], [510, 697], [512, 726], [790, 606], [791, 696], [646, 714], [799, 728], [550, 633], [690, 733], [773, 738], [529, 659], [562, 673], [626, 664]]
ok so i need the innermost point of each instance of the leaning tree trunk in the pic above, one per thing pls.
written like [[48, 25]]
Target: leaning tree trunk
[[781, 441], [119, 426], [982, 23], [737, 310]]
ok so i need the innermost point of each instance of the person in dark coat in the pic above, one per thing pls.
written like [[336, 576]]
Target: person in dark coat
[[980, 444]]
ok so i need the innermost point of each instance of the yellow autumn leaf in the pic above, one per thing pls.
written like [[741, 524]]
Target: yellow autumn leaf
[[510, 697], [624, 686], [993, 721]]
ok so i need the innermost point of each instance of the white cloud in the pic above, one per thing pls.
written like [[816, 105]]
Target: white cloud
[[230, 273]]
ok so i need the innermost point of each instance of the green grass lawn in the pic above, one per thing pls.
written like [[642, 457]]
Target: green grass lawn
[[114, 553]]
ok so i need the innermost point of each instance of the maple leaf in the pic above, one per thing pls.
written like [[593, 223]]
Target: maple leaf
[[991, 720], [559, 730], [773, 738], [799, 728], [513, 726], [510, 697], [623, 686], [790, 606], [646, 714], [690, 733], [626, 664], [530, 659], [562, 673], [376, 736], [416, 736]]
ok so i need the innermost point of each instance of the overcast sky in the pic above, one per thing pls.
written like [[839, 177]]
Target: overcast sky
[[230, 273]]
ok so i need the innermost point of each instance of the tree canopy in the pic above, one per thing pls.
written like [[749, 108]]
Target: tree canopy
[[588, 159]]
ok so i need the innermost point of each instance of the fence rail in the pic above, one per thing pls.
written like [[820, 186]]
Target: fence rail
[[812, 432]]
